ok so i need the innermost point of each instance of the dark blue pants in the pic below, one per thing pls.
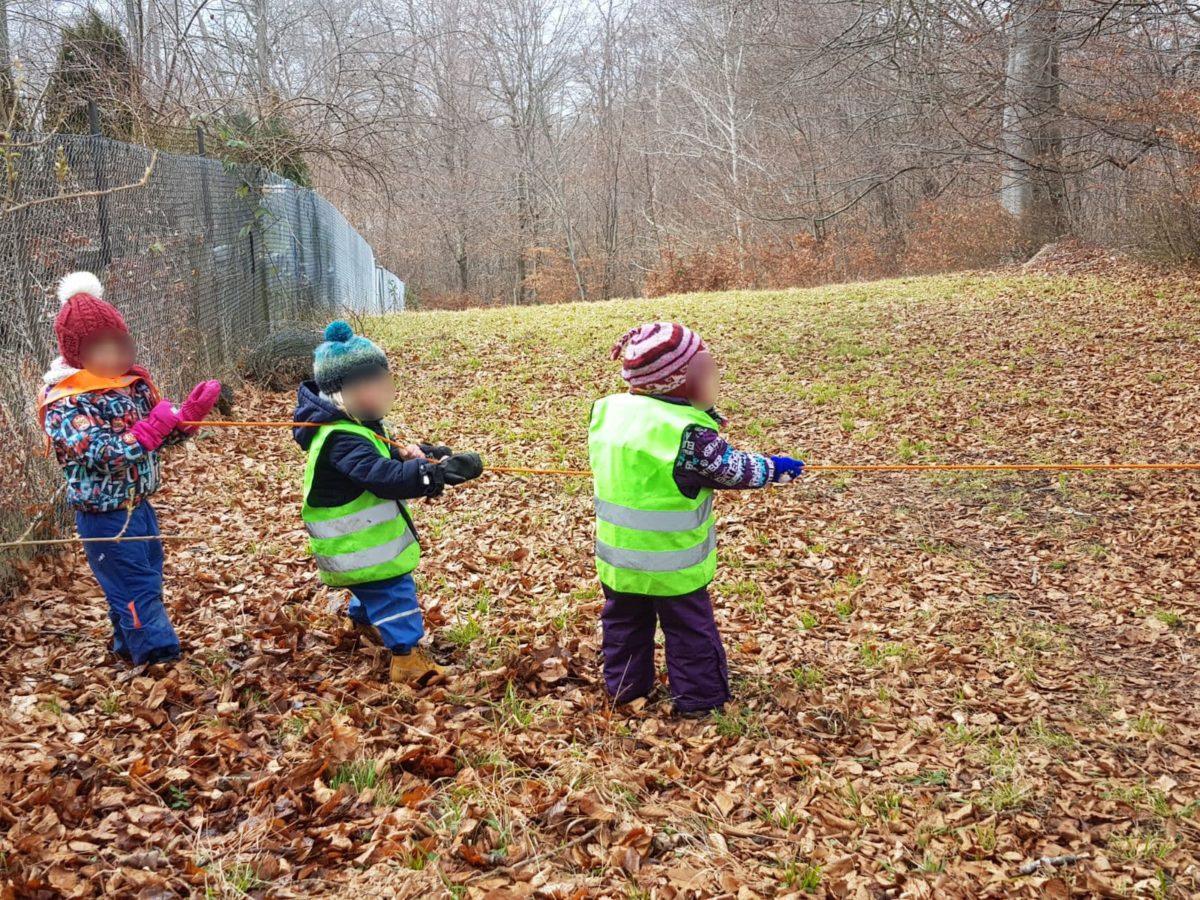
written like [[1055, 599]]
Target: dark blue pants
[[131, 576], [391, 606], [696, 665]]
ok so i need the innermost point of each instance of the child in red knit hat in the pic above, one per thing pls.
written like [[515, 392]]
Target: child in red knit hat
[[106, 423]]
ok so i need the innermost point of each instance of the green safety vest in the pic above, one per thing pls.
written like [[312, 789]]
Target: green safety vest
[[650, 538], [367, 539]]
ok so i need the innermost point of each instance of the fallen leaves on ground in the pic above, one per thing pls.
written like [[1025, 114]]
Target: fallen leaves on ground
[[937, 679]]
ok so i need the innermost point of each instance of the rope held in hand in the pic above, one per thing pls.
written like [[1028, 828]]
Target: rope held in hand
[[816, 467]]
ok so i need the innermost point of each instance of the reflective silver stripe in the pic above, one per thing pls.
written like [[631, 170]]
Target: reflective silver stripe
[[653, 519], [403, 615], [372, 556], [657, 560], [355, 521]]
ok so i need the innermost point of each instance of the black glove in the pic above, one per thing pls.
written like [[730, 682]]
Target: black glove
[[433, 476], [435, 451], [462, 467]]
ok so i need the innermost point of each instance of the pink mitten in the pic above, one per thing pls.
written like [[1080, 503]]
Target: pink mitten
[[199, 403], [153, 430]]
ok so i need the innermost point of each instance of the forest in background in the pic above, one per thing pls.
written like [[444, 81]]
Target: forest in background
[[532, 151]]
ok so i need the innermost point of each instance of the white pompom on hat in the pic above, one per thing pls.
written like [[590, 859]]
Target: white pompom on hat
[[79, 283]]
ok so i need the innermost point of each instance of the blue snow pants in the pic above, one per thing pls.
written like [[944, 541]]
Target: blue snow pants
[[131, 576], [391, 606]]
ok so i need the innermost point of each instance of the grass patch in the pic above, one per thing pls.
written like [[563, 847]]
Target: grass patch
[[875, 655], [1140, 845], [807, 677], [931, 778], [738, 722], [222, 880], [783, 816], [801, 877], [464, 633], [748, 595], [1148, 725], [512, 711], [1170, 618], [363, 775]]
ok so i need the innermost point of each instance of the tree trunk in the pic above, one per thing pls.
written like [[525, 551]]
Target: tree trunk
[[1032, 187], [5, 52], [524, 232], [133, 25], [153, 44], [261, 49], [10, 103]]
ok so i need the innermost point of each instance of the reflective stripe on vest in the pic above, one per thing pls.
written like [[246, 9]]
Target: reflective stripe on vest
[[371, 556], [653, 519], [651, 538], [657, 560], [355, 521]]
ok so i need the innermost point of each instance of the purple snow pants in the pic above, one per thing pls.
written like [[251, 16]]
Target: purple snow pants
[[696, 663]]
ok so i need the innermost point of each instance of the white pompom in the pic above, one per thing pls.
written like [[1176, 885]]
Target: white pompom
[[79, 283]]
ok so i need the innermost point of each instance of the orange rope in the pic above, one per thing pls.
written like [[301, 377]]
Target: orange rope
[[923, 467], [221, 423], [816, 467]]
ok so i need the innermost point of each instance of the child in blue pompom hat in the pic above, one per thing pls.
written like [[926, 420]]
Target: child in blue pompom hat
[[355, 485]]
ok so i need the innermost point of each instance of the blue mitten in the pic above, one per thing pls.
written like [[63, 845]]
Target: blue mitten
[[786, 469]]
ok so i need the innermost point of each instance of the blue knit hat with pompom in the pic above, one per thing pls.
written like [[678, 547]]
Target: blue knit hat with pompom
[[345, 357]]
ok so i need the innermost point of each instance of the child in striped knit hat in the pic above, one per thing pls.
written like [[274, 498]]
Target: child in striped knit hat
[[656, 456]]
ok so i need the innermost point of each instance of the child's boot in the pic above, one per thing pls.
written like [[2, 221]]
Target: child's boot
[[413, 665], [367, 631]]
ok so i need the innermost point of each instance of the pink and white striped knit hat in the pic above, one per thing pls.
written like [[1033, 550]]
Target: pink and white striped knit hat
[[654, 357]]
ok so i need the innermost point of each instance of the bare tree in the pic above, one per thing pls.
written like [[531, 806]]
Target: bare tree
[[1031, 185]]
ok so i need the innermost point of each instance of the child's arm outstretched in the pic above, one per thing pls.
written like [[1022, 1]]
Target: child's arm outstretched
[[707, 460], [396, 479]]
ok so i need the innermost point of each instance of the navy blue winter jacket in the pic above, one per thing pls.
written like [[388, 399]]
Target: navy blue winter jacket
[[349, 464]]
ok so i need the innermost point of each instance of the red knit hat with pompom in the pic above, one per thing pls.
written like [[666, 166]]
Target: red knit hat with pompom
[[83, 316]]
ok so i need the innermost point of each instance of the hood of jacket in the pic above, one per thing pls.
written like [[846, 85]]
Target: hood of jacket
[[313, 406]]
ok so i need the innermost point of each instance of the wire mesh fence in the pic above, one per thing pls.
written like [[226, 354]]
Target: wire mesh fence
[[203, 258]]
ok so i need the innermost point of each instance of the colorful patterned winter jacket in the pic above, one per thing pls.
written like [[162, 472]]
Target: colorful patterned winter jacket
[[104, 465]]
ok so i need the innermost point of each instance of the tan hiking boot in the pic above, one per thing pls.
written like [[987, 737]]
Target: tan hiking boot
[[414, 666]]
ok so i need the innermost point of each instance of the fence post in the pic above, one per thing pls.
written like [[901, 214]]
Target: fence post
[[205, 197], [260, 255], [205, 267], [101, 185]]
